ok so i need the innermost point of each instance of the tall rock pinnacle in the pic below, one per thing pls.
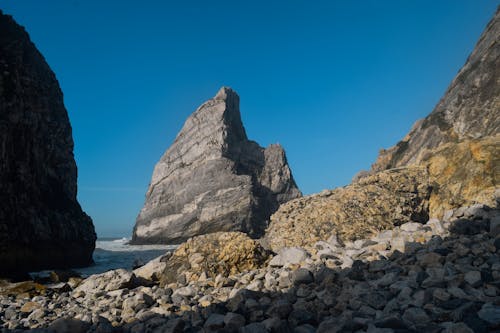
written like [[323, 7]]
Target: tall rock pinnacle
[[41, 223], [213, 178]]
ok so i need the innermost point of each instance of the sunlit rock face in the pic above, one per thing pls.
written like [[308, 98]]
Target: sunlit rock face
[[41, 223], [459, 141], [212, 178], [450, 159], [469, 110]]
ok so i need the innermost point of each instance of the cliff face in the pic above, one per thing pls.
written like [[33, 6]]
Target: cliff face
[[213, 178], [470, 108], [450, 159], [41, 223]]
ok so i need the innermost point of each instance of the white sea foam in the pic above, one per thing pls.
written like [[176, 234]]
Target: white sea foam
[[122, 245], [114, 253]]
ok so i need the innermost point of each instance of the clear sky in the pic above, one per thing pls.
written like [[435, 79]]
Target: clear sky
[[332, 81]]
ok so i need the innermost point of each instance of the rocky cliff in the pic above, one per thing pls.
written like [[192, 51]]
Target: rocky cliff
[[41, 223], [450, 159], [470, 108], [213, 178]]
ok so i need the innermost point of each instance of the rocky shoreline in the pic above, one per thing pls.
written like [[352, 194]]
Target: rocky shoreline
[[441, 276], [411, 246]]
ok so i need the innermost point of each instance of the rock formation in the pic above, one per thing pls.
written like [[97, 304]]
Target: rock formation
[[213, 179], [373, 203], [41, 223], [448, 160], [223, 253], [470, 108]]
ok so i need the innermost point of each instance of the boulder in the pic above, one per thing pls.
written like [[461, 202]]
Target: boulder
[[222, 253], [373, 203], [153, 269], [41, 222], [212, 178], [288, 256], [108, 281]]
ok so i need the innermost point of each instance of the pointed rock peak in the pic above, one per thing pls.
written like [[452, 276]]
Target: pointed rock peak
[[212, 178], [226, 93]]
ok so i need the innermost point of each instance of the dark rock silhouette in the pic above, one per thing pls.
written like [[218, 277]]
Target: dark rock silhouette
[[213, 178], [41, 223]]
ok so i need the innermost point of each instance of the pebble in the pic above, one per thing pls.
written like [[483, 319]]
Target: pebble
[[447, 282]]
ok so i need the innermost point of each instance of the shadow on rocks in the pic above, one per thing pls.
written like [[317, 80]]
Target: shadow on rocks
[[447, 285]]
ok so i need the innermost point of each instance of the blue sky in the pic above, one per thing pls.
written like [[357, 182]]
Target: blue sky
[[332, 81]]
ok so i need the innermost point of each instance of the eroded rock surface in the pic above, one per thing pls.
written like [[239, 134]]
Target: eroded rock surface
[[213, 179], [217, 253], [464, 174], [448, 160], [373, 203], [470, 108], [41, 223]]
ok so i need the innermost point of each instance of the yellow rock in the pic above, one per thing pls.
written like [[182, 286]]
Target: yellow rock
[[223, 253], [464, 174], [29, 307], [373, 203]]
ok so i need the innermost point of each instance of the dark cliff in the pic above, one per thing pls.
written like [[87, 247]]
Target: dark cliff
[[41, 223]]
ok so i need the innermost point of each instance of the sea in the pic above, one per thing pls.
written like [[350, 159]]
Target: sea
[[113, 253]]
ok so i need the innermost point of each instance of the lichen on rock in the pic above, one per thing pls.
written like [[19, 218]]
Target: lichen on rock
[[373, 203], [222, 253]]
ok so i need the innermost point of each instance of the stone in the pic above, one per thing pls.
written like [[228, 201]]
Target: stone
[[440, 295], [65, 325], [416, 316], [495, 225], [329, 325], [436, 225], [411, 226], [42, 225], [458, 328], [302, 275], [289, 256], [224, 253], [372, 204], [277, 325], [473, 278], [214, 322], [29, 307], [300, 316], [108, 281], [234, 320], [172, 326], [490, 313], [254, 328], [212, 178], [391, 321], [304, 329], [431, 259], [152, 270], [280, 309]]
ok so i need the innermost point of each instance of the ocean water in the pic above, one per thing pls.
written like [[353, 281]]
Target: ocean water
[[114, 253]]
